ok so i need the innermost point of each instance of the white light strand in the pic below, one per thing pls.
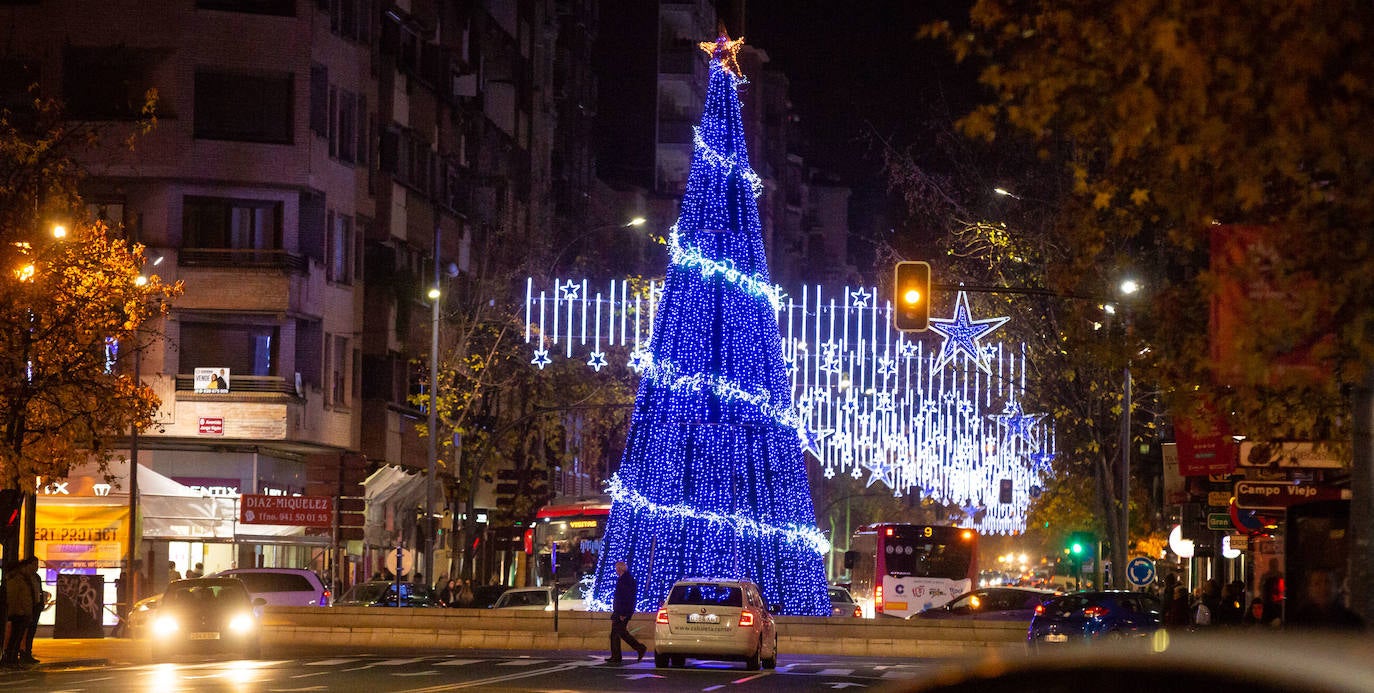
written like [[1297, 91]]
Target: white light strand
[[727, 163], [802, 537], [753, 284]]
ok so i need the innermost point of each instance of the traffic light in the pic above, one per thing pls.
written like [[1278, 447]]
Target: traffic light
[[1081, 545], [911, 296]]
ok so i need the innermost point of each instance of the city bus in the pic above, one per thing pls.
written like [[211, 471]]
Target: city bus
[[578, 527], [900, 569]]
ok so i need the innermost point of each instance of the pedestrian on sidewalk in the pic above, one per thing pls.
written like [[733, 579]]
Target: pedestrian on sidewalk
[[622, 608], [20, 600]]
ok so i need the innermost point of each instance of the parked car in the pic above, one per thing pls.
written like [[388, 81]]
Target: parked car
[[1090, 616], [990, 604], [483, 596], [282, 586], [383, 593], [715, 619], [206, 614], [537, 598], [842, 603]]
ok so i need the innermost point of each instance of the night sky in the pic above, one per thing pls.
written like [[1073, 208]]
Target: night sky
[[857, 68]]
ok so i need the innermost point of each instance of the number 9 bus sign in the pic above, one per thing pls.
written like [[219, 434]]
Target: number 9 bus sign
[[1140, 571]]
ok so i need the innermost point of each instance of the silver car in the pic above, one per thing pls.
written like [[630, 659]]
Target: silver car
[[715, 619]]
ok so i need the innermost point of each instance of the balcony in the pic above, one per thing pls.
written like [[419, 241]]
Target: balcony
[[235, 258], [242, 384]]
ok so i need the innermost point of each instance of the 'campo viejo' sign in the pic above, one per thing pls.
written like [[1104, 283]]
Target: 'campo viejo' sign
[[302, 511]]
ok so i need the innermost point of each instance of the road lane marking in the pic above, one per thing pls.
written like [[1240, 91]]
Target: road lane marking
[[429, 672], [456, 662], [751, 678], [330, 662], [522, 662], [530, 673], [397, 662], [835, 672], [306, 676]]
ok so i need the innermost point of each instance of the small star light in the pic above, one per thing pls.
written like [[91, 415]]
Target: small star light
[[541, 358], [811, 439], [962, 333], [570, 290], [597, 361], [724, 50], [860, 298]]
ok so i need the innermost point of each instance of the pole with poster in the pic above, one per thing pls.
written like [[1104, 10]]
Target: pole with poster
[[553, 567]]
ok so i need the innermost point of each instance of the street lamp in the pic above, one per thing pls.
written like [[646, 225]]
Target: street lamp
[[634, 222], [1127, 288]]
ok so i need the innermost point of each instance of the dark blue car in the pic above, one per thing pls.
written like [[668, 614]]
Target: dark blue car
[[1084, 617]]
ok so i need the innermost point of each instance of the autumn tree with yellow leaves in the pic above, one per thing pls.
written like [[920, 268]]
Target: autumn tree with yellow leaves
[[74, 304]]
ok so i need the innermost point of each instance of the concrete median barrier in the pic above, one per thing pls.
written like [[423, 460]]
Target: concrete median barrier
[[510, 629]]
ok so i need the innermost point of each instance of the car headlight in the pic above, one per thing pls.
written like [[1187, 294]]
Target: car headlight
[[165, 625], [242, 623]]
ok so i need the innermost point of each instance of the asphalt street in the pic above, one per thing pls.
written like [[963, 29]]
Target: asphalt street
[[124, 665]]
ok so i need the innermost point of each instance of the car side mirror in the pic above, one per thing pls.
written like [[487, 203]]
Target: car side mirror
[[851, 558], [259, 602]]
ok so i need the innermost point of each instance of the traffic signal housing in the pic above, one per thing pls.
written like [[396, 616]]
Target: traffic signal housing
[[911, 296]]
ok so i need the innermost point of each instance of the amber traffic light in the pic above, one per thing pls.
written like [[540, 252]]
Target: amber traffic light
[[911, 296]]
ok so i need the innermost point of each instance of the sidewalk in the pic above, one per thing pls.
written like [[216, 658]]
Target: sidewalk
[[66, 653]]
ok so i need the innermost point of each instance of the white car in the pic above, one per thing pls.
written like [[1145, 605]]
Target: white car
[[715, 619], [537, 599], [282, 586]]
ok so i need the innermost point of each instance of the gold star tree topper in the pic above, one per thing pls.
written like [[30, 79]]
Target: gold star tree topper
[[724, 50]]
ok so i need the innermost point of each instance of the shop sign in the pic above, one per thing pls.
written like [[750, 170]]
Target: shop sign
[[300, 511], [210, 425], [1282, 494], [1288, 456], [81, 536]]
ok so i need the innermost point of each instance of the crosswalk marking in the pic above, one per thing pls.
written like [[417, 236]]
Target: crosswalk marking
[[522, 662], [835, 672], [456, 662], [398, 662]]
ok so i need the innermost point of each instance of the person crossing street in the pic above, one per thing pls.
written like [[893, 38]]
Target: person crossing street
[[622, 608]]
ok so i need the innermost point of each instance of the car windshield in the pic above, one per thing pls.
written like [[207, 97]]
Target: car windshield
[[211, 596], [370, 592], [706, 594], [840, 595]]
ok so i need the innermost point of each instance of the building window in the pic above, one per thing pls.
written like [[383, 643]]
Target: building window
[[243, 348], [350, 19], [276, 8], [109, 82], [243, 107], [319, 100], [338, 359], [216, 222], [339, 249]]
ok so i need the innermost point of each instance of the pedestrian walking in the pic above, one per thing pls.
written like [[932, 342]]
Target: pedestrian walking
[[465, 595], [622, 608]]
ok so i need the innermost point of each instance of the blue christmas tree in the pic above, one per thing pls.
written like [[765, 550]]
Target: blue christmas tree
[[713, 482]]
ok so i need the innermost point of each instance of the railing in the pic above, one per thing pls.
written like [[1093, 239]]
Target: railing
[[232, 258], [245, 383]]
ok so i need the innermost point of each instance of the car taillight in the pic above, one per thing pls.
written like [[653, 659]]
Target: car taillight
[[1039, 609], [1095, 611], [746, 618], [662, 617], [858, 611], [878, 599], [324, 598]]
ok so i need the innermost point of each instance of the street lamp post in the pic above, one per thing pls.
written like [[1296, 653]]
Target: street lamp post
[[1128, 287], [434, 296]]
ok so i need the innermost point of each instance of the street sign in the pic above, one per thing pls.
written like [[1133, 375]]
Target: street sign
[[1281, 494], [1220, 522], [1140, 571]]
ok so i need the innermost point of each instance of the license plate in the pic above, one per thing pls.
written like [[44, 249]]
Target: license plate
[[703, 618], [205, 636], [1056, 637]]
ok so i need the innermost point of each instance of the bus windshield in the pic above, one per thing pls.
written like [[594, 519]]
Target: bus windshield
[[928, 557]]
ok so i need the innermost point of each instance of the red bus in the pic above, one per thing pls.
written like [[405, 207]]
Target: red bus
[[900, 569], [578, 526]]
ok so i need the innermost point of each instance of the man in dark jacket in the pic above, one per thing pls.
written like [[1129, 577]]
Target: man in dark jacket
[[622, 608]]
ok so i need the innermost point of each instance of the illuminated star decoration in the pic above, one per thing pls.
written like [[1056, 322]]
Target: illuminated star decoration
[[962, 333], [597, 360], [725, 50], [541, 358], [811, 439], [1018, 424], [570, 291], [860, 297]]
